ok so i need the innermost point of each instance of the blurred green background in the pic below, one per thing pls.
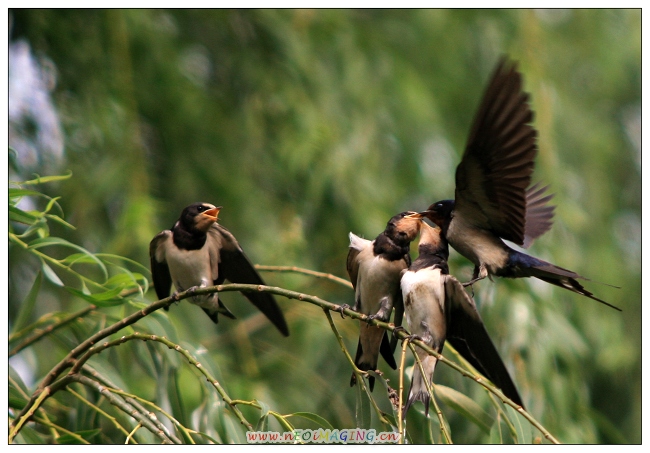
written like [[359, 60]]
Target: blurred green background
[[308, 124]]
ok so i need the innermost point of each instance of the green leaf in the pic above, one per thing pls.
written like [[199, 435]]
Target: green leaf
[[59, 220], [283, 422], [499, 433], [44, 179], [428, 430], [159, 323], [362, 413], [50, 274], [120, 280], [320, 421], [233, 430], [15, 192], [40, 226], [27, 307], [106, 256], [496, 433], [20, 216], [208, 419], [263, 422], [522, 426], [465, 406], [54, 241], [105, 299], [18, 391], [175, 395], [79, 258], [29, 436], [51, 203], [87, 435], [49, 241], [127, 280]]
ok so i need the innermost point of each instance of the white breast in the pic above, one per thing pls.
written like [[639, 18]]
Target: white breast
[[380, 280], [424, 303], [188, 267]]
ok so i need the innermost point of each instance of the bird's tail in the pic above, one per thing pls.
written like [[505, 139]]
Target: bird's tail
[[213, 312], [366, 361], [528, 266], [418, 390]]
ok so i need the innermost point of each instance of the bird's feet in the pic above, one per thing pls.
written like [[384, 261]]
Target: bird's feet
[[385, 309], [472, 281], [378, 316], [412, 337], [341, 309], [399, 329], [191, 292], [470, 284]]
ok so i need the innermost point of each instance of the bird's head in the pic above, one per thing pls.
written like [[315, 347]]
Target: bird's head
[[404, 227], [200, 216], [439, 212]]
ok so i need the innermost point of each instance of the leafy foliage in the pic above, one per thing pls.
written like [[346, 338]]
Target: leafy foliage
[[306, 125]]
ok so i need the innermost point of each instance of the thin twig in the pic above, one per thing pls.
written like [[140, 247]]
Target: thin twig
[[119, 402], [300, 270], [171, 345], [400, 416], [41, 332], [99, 410]]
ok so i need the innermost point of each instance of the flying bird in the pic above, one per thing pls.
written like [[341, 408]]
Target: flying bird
[[494, 200], [374, 268], [198, 252], [438, 308]]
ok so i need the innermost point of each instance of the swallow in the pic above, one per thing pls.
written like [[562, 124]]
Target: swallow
[[438, 308], [198, 252], [493, 197], [375, 268]]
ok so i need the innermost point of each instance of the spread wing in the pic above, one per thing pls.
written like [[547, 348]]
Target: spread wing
[[229, 262], [467, 334], [162, 279], [496, 169], [539, 215]]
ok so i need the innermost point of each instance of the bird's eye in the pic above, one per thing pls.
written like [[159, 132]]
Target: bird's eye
[[201, 208]]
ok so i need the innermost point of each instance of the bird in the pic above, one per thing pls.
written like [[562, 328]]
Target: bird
[[374, 268], [494, 200], [198, 252], [438, 308]]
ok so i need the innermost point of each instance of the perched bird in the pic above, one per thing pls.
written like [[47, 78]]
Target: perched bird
[[198, 252], [493, 200], [374, 268], [437, 307]]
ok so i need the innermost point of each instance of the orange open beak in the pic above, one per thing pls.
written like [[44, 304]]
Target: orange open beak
[[213, 213]]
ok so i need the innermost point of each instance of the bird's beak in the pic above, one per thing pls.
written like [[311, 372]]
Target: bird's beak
[[414, 215], [213, 213], [424, 213]]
